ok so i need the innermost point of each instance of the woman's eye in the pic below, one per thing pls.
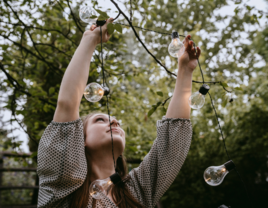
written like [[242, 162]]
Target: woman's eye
[[100, 119]]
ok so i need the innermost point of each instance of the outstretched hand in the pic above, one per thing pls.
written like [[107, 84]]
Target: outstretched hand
[[94, 31], [188, 59]]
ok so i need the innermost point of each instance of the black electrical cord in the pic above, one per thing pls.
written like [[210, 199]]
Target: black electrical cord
[[107, 99], [107, 102]]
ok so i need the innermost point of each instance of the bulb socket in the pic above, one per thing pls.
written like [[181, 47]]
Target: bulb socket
[[100, 22], [229, 165], [174, 35], [204, 89], [115, 178], [106, 90]]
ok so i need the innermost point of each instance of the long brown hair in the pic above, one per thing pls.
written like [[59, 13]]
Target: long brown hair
[[119, 192]]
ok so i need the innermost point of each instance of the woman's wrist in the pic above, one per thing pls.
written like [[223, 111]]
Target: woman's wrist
[[184, 71], [90, 39]]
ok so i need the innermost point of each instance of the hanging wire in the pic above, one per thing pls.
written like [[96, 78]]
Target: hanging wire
[[107, 100], [130, 10], [145, 29]]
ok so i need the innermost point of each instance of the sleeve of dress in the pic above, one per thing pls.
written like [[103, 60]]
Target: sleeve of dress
[[161, 165], [61, 163]]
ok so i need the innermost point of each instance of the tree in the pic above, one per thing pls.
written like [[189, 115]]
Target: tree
[[38, 43]]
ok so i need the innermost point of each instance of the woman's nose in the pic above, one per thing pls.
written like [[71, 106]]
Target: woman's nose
[[114, 123]]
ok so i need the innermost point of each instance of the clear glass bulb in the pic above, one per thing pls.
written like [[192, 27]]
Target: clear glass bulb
[[214, 175], [196, 100], [93, 92], [176, 48], [98, 186], [85, 12]]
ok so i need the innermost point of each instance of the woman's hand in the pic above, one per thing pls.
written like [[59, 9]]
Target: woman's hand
[[94, 32], [188, 59]]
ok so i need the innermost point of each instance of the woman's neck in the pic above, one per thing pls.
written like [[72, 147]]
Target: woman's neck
[[101, 167]]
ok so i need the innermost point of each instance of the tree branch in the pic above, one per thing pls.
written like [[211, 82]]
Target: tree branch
[[137, 36]]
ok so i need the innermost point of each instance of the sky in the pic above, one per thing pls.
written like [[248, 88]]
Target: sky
[[106, 4]]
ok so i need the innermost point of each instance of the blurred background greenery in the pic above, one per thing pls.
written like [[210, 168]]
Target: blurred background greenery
[[38, 39]]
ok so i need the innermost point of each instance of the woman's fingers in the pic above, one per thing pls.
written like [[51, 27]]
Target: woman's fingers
[[189, 47], [186, 41], [198, 52], [107, 22], [93, 27]]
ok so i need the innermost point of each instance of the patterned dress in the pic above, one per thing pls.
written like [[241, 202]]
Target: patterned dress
[[62, 166]]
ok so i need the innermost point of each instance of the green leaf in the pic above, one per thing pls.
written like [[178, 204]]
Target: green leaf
[[34, 154], [93, 16], [224, 84], [152, 91], [110, 28], [159, 93], [238, 1], [128, 131], [118, 28], [249, 7], [101, 12], [236, 10], [51, 90], [151, 111], [158, 103], [238, 88], [103, 15], [224, 102]]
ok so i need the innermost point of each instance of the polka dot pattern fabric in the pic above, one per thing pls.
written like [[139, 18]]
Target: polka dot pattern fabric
[[62, 166]]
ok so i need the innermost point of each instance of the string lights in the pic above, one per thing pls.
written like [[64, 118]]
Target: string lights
[[176, 47], [197, 99], [100, 188], [87, 14], [213, 175], [94, 92]]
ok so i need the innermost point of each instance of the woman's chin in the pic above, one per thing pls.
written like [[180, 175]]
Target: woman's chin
[[118, 142]]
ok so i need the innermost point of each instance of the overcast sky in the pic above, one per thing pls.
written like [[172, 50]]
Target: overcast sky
[[259, 4]]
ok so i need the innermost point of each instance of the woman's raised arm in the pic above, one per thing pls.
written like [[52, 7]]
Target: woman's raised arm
[[178, 106], [76, 75]]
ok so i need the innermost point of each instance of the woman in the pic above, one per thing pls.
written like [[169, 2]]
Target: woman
[[74, 152]]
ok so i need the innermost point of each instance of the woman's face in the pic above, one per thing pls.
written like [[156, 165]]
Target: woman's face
[[98, 134]]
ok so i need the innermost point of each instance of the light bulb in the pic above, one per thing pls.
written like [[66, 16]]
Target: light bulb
[[94, 92], [98, 188], [197, 99], [85, 13], [214, 175], [176, 47]]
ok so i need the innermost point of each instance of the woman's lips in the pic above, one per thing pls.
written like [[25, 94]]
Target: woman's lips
[[114, 130]]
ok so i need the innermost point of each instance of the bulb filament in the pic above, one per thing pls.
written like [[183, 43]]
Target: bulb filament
[[92, 193], [198, 97], [175, 42], [208, 179]]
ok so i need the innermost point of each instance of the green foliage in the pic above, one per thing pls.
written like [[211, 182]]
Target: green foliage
[[37, 56]]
